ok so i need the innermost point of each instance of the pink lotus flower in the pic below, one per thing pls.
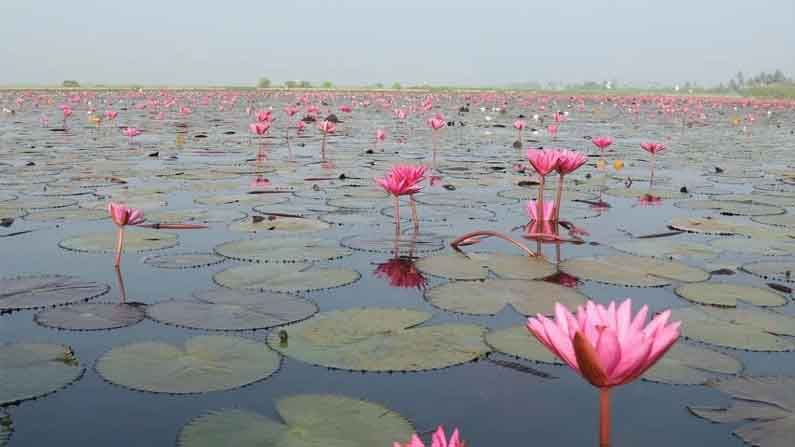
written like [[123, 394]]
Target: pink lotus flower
[[401, 114], [548, 210], [653, 148], [67, 111], [602, 142], [607, 346], [519, 125], [569, 161], [259, 128], [111, 114], [300, 126], [439, 439], [185, 111], [403, 180], [436, 122], [346, 109], [552, 130], [543, 161], [327, 127], [122, 215], [265, 116], [131, 132], [290, 110], [380, 135], [260, 183]]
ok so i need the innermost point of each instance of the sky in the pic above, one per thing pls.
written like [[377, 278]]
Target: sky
[[362, 42]]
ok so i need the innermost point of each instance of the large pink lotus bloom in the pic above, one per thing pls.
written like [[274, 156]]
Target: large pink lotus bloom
[[436, 122], [569, 161], [131, 132], [403, 180], [259, 128], [607, 346], [602, 142], [327, 127], [653, 148], [123, 215], [265, 116], [439, 439], [547, 207], [67, 111], [543, 161], [519, 125]]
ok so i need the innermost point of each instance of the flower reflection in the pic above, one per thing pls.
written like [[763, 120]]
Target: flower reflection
[[401, 272], [649, 200]]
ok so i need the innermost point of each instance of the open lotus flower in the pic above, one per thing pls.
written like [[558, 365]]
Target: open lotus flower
[[547, 207], [544, 162], [602, 142], [265, 116], [290, 110], [111, 114], [552, 130], [436, 122], [259, 128], [403, 180], [327, 127], [519, 124], [568, 162], [439, 439], [653, 149], [131, 132], [122, 215], [380, 135], [607, 346]]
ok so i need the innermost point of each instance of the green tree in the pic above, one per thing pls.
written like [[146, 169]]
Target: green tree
[[327, 85], [304, 84], [396, 86], [263, 83], [291, 84], [70, 84], [378, 85]]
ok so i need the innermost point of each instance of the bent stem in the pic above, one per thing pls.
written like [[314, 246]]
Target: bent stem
[[558, 197], [604, 417], [119, 246], [486, 233], [414, 216], [120, 281]]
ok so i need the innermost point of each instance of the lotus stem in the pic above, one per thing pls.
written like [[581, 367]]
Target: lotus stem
[[558, 198], [540, 200], [651, 178], [496, 234], [120, 281], [434, 144], [323, 147], [414, 217], [604, 417], [119, 246], [397, 214]]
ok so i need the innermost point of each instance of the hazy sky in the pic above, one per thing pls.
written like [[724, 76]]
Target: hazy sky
[[411, 41]]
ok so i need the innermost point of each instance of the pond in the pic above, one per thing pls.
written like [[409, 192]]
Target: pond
[[269, 299]]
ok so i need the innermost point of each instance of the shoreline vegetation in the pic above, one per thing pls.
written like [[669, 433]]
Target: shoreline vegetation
[[779, 91]]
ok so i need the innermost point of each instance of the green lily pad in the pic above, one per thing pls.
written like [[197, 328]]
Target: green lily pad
[[279, 224], [43, 203], [205, 363], [640, 192], [720, 227], [441, 213], [242, 199], [136, 240], [386, 243], [727, 295], [33, 370], [772, 270], [492, 295], [454, 266], [91, 316], [517, 341], [68, 214], [632, 271], [309, 419], [284, 277], [233, 310], [702, 325], [732, 207], [184, 260], [38, 291], [780, 220], [764, 406], [685, 364], [380, 340], [760, 247], [214, 215], [281, 250], [667, 248]]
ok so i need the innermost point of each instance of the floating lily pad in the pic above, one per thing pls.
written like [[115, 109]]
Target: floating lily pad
[[732, 208], [727, 295], [442, 213], [309, 419], [640, 192], [38, 291], [725, 228], [280, 224], [233, 310], [685, 364], [284, 277], [32, 370], [387, 243], [781, 220], [490, 296], [205, 363], [517, 341], [68, 214], [247, 199], [772, 270], [214, 215], [667, 248], [702, 325], [760, 247], [9, 212], [281, 250], [184, 260], [765, 406], [514, 266], [352, 218], [455, 266], [136, 240], [43, 203], [531, 193], [632, 271], [91, 316], [380, 340]]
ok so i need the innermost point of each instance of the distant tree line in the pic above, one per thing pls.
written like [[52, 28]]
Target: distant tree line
[[739, 81]]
